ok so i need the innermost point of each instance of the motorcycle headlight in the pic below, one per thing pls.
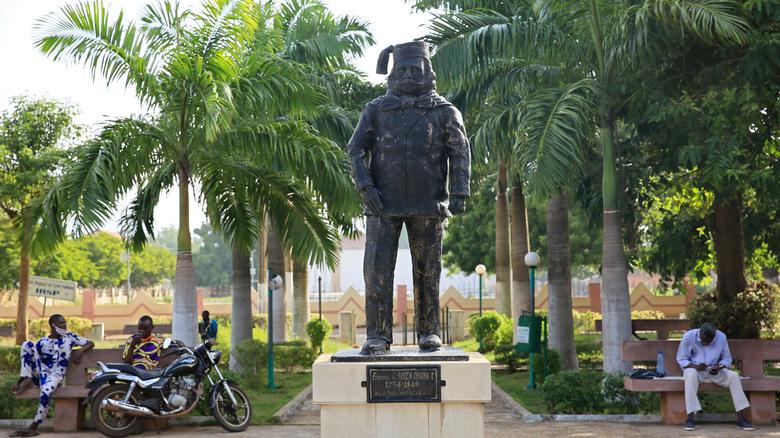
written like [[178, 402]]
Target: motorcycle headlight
[[216, 355]]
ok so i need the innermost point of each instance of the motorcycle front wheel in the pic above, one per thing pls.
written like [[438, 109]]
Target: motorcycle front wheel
[[111, 423], [233, 418]]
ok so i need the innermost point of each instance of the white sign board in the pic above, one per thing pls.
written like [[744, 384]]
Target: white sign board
[[52, 288], [522, 334]]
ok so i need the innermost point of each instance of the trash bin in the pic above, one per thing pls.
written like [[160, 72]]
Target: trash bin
[[528, 334]]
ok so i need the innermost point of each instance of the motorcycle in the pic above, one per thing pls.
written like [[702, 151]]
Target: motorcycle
[[122, 395]]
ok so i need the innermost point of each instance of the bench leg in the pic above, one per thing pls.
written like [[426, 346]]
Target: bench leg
[[673, 408], [68, 415], [762, 407]]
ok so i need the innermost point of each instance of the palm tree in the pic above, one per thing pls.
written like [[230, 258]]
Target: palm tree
[[573, 39], [193, 71]]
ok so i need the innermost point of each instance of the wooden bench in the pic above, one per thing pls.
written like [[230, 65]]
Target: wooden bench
[[69, 398], [750, 354], [159, 329], [661, 327]]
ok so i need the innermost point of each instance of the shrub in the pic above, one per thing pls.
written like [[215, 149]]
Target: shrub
[[252, 359], [11, 407], [553, 364], [617, 399], [10, 361], [585, 322], [318, 330], [506, 354], [572, 392], [485, 327], [290, 357], [647, 314], [750, 315], [589, 352], [259, 320], [76, 324]]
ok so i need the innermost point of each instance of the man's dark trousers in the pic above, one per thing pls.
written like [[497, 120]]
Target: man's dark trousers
[[382, 233]]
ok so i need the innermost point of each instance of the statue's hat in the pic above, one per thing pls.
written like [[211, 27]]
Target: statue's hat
[[414, 49]]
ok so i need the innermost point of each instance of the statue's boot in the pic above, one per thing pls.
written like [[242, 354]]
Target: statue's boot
[[429, 342], [375, 346]]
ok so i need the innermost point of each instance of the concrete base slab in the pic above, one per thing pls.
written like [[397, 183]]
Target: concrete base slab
[[345, 412]]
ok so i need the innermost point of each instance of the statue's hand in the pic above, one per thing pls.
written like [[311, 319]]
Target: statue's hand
[[372, 199], [457, 204]]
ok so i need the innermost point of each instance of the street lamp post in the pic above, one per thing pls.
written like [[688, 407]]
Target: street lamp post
[[272, 283], [319, 297], [480, 270], [532, 261]]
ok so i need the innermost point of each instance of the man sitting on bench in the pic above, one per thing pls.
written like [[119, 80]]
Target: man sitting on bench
[[142, 349], [44, 364], [704, 356]]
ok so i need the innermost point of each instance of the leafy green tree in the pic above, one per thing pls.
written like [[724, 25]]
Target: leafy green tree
[[152, 265], [33, 132], [94, 261], [9, 254], [212, 261], [594, 51], [714, 201], [222, 108]]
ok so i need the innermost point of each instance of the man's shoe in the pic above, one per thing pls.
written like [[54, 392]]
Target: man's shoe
[[375, 346], [743, 423], [429, 342], [689, 423]]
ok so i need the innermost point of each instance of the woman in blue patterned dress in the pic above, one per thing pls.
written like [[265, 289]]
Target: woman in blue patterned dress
[[44, 364]]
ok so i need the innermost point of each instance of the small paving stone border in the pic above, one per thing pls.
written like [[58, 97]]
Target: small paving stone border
[[285, 412], [527, 416]]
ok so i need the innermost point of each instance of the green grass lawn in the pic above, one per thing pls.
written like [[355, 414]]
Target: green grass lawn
[[266, 402], [516, 385]]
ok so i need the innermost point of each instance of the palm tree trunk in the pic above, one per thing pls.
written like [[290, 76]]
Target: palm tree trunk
[[185, 306], [276, 265], [615, 303], [559, 277], [521, 288], [503, 267], [241, 312], [729, 247], [301, 310], [24, 284]]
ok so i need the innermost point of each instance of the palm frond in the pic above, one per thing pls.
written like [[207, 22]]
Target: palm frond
[[137, 224], [85, 33], [554, 123]]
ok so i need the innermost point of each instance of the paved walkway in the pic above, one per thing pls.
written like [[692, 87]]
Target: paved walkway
[[500, 422]]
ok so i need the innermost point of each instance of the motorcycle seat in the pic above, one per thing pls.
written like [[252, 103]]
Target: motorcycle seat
[[141, 374]]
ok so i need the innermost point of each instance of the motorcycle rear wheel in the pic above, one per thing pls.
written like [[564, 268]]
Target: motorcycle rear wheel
[[233, 418], [111, 423]]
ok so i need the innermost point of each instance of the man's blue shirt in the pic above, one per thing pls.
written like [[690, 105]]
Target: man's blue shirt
[[693, 351]]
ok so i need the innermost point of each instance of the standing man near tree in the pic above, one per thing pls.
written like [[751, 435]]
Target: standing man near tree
[[408, 145], [208, 327]]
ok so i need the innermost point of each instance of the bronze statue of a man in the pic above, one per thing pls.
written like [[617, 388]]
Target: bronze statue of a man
[[408, 145]]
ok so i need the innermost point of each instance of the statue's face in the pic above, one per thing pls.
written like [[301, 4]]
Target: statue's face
[[409, 75]]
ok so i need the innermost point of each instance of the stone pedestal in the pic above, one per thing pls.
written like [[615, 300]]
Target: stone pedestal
[[340, 391]]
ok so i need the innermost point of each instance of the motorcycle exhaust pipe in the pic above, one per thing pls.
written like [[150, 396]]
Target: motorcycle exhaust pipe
[[118, 406]]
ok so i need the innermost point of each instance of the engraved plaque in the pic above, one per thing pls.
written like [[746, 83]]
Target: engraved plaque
[[403, 384]]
